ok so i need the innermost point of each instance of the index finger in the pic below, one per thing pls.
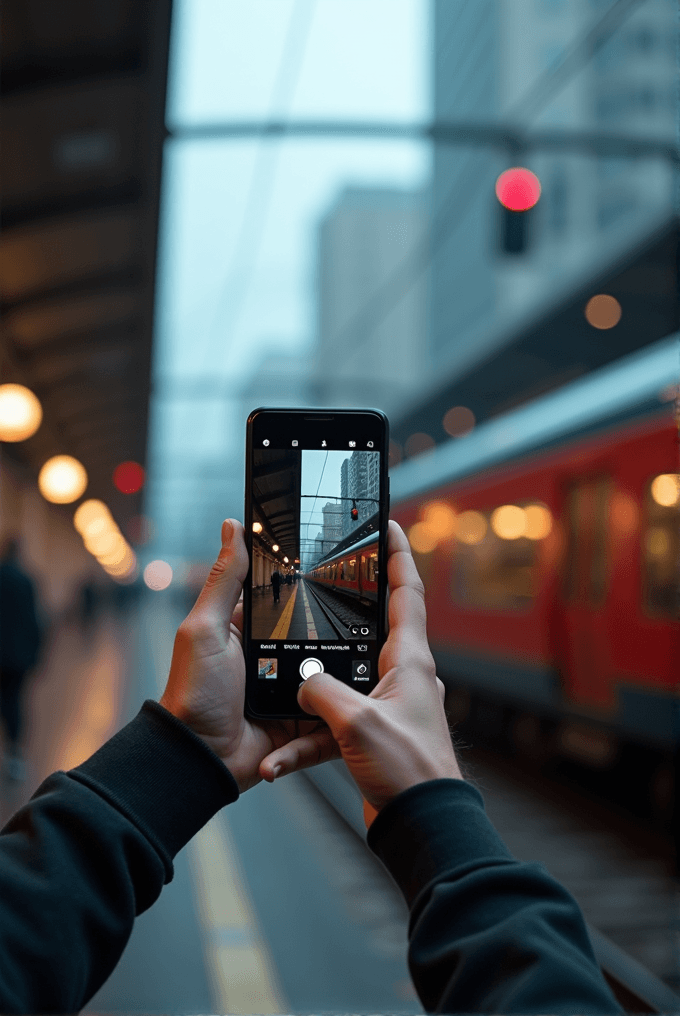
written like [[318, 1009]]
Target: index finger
[[407, 615]]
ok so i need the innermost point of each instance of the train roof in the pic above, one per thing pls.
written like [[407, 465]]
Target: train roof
[[613, 394], [359, 545]]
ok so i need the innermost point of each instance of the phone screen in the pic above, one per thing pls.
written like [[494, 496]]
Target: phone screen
[[316, 522]]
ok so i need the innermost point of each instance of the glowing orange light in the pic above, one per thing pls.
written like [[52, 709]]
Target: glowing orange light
[[440, 518], [518, 189], [90, 512], [538, 521], [666, 489], [422, 539], [509, 522], [20, 413], [603, 311], [158, 575], [128, 477], [257, 527], [62, 479]]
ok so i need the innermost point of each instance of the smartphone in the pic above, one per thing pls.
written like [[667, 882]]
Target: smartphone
[[316, 511]]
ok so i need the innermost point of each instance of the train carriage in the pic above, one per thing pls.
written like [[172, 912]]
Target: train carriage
[[352, 571], [548, 543]]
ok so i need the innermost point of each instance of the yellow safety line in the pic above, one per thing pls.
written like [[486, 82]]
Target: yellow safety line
[[240, 968], [311, 627], [281, 630]]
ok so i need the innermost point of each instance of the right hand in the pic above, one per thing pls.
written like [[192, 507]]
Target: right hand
[[397, 736]]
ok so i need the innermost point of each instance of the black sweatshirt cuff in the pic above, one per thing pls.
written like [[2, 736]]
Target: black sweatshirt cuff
[[162, 776], [433, 828]]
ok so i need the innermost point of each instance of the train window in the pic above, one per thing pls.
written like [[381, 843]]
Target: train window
[[372, 568], [348, 568], [494, 572], [660, 551]]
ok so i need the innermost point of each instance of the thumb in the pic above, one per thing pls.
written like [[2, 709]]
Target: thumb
[[223, 586], [332, 700]]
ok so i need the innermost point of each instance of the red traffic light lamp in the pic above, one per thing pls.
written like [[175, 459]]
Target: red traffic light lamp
[[354, 511], [128, 477], [518, 191]]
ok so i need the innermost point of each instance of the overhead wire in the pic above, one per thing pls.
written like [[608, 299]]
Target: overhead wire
[[231, 300]]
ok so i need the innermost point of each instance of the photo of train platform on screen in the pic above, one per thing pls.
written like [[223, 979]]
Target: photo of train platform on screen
[[315, 563]]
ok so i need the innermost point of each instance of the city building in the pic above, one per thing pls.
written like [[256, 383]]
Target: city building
[[360, 482], [371, 298], [492, 60]]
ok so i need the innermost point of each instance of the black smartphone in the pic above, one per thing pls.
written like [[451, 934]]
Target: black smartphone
[[316, 511]]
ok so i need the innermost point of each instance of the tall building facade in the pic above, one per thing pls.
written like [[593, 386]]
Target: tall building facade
[[360, 483], [371, 298], [488, 56]]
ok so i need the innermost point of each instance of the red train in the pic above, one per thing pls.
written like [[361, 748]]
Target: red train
[[353, 571], [548, 542]]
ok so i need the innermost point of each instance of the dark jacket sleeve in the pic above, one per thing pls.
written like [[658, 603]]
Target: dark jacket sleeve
[[92, 849], [487, 933]]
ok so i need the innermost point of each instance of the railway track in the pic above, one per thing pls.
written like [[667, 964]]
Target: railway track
[[342, 614]]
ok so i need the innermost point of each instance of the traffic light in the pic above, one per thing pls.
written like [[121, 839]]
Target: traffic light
[[518, 191], [354, 511]]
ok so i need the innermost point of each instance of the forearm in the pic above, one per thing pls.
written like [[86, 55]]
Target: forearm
[[487, 933], [90, 851]]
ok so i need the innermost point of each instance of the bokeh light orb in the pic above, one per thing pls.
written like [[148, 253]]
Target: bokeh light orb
[[422, 539], [538, 521], [62, 479], [90, 512], [257, 527], [603, 311], [518, 189], [128, 477], [440, 518], [157, 575], [666, 489], [509, 522], [471, 527], [458, 421], [20, 413]]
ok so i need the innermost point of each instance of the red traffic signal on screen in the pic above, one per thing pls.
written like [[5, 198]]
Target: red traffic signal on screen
[[518, 191], [354, 513]]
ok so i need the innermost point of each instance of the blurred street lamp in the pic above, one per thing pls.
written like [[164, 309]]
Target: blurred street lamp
[[62, 479], [20, 413], [275, 547], [603, 311], [257, 527]]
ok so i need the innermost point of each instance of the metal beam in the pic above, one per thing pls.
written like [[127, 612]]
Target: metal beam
[[485, 135]]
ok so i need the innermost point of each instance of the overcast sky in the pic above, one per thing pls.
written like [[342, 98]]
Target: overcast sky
[[239, 218]]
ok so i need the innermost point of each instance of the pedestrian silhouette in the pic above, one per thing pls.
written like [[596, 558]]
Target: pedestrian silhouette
[[276, 585], [19, 647]]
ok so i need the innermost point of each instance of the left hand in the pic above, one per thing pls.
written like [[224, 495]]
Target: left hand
[[206, 684]]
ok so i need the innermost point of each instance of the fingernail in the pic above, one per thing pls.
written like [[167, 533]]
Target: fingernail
[[277, 770], [227, 532]]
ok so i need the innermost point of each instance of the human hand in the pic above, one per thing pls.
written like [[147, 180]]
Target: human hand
[[398, 735], [206, 684]]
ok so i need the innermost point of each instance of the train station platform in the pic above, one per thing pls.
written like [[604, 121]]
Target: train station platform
[[296, 616], [275, 906]]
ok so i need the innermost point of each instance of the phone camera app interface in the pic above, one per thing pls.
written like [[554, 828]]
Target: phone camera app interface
[[315, 564]]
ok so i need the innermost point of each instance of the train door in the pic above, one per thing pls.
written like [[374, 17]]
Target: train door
[[585, 663]]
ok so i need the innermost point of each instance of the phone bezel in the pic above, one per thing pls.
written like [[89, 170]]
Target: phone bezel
[[382, 534]]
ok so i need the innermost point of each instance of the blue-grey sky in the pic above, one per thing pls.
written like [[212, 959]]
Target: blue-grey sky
[[228, 288]]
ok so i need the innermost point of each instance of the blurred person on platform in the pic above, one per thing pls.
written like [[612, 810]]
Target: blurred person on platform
[[20, 639], [276, 585]]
